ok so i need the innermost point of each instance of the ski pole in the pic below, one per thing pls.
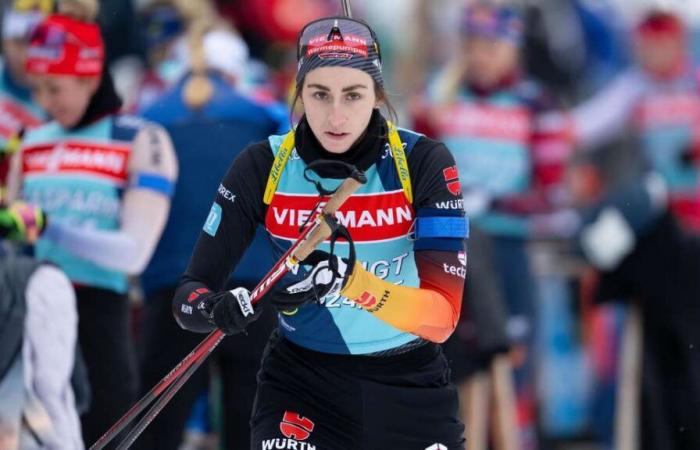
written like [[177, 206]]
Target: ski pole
[[179, 369], [163, 400], [284, 265], [319, 231], [346, 8]]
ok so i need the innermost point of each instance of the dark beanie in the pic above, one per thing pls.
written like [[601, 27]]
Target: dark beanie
[[339, 41]]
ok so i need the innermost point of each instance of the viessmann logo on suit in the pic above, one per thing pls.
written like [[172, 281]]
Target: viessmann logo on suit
[[369, 218], [108, 161]]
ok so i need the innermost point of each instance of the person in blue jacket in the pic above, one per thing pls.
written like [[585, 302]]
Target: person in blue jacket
[[210, 121]]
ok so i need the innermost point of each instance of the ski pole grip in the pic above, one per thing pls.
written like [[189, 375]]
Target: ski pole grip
[[327, 224], [349, 186]]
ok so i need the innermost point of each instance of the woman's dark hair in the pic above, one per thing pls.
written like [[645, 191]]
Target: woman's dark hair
[[379, 91]]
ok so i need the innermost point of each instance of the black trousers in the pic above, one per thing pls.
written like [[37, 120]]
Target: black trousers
[[670, 416], [164, 344], [316, 401], [107, 348]]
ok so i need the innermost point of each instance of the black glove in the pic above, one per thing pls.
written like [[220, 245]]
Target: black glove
[[326, 274], [230, 311], [323, 274]]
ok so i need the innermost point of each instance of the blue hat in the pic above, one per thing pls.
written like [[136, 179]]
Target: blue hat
[[162, 24], [495, 22]]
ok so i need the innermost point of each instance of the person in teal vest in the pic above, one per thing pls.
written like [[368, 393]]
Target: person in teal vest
[[17, 110], [105, 182], [658, 99], [510, 142], [355, 361]]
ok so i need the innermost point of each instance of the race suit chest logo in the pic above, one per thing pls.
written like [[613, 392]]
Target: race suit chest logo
[[369, 218], [511, 124], [680, 109], [295, 429], [97, 159]]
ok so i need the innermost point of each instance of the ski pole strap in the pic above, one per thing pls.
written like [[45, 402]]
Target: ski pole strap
[[340, 169]]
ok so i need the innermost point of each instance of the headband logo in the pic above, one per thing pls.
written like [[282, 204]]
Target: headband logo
[[50, 52], [90, 53], [336, 46]]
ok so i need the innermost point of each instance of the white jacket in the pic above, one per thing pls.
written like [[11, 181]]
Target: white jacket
[[48, 353]]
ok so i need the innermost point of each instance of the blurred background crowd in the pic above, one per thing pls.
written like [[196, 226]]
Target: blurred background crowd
[[575, 125]]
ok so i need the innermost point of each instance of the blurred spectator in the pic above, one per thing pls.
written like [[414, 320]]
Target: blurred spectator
[[270, 29], [39, 327], [210, 121], [120, 29], [17, 110], [162, 24], [270, 23], [124, 45], [643, 256], [659, 101], [554, 44], [105, 182], [169, 53], [606, 43], [510, 158]]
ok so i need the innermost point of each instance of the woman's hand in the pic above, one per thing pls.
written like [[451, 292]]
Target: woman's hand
[[230, 311], [326, 275], [28, 222]]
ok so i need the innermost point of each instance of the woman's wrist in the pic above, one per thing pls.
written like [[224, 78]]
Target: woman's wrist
[[356, 283]]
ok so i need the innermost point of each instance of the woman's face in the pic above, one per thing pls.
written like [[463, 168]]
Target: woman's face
[[489, 61], [584, 183], [660, 55], [338, 103], [65, 98]]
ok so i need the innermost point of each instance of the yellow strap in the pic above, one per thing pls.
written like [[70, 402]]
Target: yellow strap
[[288, 145], [400, 161], [278, 167], [44, 6], [13, 144]]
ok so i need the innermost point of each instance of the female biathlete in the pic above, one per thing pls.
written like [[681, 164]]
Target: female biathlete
[[104, 181], [355, 362]]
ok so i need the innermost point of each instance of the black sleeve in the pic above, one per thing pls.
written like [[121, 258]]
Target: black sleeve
[[237, 210], [434, 176]]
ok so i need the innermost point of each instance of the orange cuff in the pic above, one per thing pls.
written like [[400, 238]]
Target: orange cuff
[[423, 312]]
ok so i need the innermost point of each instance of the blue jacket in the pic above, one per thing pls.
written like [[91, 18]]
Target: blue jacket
[[206, 142]]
